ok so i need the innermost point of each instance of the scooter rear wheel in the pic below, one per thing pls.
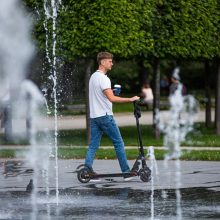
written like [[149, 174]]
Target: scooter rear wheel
[[80, 166], [83, 174], [145, 174]]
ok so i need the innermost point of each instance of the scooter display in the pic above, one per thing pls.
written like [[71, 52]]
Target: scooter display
[[140, 168]]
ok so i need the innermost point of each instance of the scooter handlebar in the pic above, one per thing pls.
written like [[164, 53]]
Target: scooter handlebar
[[137, 109], [139, 102]]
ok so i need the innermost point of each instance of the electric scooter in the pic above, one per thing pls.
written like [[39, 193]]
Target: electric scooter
[[140, 168]]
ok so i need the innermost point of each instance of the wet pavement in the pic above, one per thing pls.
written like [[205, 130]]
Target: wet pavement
[[195, 196], [193, 174], [124, 203]]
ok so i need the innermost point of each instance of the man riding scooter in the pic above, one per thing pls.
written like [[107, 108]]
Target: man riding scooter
[[101, 97]]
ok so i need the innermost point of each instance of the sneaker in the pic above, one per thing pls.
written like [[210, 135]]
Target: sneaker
[[96, 179], [128, 177]]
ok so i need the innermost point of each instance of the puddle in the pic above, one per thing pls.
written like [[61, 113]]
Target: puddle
[[108, 200], [196, 203]]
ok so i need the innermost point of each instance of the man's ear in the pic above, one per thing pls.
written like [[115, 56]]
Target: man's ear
[[102, 62]]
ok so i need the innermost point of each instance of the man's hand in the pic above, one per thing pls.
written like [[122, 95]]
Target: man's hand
[[134, 98], [112, 98]]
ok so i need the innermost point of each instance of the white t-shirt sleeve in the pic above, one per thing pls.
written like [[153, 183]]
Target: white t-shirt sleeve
[[105, 83], [99, 103]]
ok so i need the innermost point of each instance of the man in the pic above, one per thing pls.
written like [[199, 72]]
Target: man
[[101, 97]]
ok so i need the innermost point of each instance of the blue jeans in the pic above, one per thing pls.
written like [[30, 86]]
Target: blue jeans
[[106, 124]]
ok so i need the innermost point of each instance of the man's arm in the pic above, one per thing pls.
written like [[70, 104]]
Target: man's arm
[[112, 98]]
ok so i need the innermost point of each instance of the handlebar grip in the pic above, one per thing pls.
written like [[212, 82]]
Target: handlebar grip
[[139, 102], [137, 110]]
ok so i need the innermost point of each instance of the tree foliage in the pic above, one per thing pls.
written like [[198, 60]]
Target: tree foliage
[[87, 27], [185, 28], [156, 28]]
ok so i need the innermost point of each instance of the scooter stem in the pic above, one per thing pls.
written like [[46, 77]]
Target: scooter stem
[[137, 114]]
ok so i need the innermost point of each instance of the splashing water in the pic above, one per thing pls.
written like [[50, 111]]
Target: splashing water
[[178, 123], [21, 96], [38, 156], [154, 170], [53, 6], [16, 48]]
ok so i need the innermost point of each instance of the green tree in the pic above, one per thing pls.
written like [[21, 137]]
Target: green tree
[[87, 27], [147, 29], [216, 41], [182, 29]]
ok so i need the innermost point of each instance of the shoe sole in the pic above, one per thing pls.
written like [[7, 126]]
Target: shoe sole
[[129, 178], [94, 180]]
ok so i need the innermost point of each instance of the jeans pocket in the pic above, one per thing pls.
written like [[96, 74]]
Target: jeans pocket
[[107, 122], [110, 118]]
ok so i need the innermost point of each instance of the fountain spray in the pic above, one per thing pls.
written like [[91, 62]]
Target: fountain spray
[[53, 6], [154, 170], [21, 97], [178, 123]]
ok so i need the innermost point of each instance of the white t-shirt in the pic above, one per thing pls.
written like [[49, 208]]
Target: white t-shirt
[[148, 94], [98, 103]]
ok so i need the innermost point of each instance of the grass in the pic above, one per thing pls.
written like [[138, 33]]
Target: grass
[[117, 108], [17, 142], [201, 155], [129, 134], [12, 153], [132, 154], [125, 107], [79, 153], [201, 136]]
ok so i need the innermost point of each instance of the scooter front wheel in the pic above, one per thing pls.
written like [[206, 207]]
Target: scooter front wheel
[[83, 174], [145, 174]]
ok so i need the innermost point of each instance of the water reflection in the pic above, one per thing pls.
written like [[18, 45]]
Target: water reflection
[[112, 198], [197, 203], [15, 168]]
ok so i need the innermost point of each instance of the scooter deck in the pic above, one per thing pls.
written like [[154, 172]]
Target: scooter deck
[[112, 175]]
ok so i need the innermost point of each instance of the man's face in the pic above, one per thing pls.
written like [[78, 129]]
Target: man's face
[[107, 64]]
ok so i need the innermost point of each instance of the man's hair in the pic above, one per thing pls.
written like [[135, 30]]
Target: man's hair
[[103, 55]]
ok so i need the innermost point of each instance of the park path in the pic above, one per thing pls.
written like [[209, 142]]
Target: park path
[[79, 121], [122, 119]]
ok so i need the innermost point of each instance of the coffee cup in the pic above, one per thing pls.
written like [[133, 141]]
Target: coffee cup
[[117, 89]]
